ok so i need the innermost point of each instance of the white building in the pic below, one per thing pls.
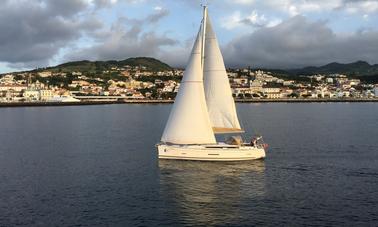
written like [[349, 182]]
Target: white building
[[329, 80], [13, 87], [271, 90], [375, 91], [274, 95], [288, 82], [44, 74], [45, 94], [31, 95], [7, 79], [168, 89], [354, 82]]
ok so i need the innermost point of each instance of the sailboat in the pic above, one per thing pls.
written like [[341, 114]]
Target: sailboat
[[203, 107]]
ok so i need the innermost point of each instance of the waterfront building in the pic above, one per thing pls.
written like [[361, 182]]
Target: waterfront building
[[45, 94], [267, 90], [31, 95], [255, 86], [285, 91], [274, 95], [241, 80], [240, 90]]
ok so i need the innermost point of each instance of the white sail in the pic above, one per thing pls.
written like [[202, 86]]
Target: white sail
[[189, 122], [219, 100]]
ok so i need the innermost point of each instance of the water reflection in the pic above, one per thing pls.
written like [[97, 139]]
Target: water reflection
[[211, 193]]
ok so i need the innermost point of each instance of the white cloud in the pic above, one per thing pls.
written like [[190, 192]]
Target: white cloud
[[33, 32], [243, 2], [232, 21], [127, 37], [299, 42], [360, 6], [273, 23], [254, 19], [295, 7], [293, 10]]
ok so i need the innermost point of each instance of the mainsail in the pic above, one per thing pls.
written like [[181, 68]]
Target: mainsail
[[189, 122], [219, 100]]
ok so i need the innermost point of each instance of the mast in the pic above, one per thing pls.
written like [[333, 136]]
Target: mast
[[203, 36]]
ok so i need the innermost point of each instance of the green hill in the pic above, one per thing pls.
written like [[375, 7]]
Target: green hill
[[358, 68], [151, 63], [98, 66]]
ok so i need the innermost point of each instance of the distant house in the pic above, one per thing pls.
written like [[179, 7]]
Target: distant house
[[13, 87], [46, 94], [31, 95], [353, 82], [376, 90], [44, 74], [329, 80], [158, 82], [288, 82], [268, 90], [79, 83], [274, 95]]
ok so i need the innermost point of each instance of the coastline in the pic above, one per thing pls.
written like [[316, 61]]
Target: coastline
[[30, 104]]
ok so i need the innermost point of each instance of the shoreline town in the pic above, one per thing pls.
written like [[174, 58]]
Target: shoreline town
[[141, 84], [141, 101]]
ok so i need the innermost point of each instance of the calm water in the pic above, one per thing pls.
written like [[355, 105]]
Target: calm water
[[97, 166]]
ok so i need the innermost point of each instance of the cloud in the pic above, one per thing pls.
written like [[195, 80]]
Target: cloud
[[103, 3], [358, 6], [127, 37], [295, 7], [298, 42], [32, 32], [159, 14], [44, 32], [254, 19], [244, 2]]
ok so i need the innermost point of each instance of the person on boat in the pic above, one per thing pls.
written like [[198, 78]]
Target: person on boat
[[253, 141]]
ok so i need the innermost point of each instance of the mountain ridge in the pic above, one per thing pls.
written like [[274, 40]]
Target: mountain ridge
[[95, 66], [357, 68]]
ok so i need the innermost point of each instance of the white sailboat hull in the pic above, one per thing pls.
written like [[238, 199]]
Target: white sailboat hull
[[219, 152], [200, 112]]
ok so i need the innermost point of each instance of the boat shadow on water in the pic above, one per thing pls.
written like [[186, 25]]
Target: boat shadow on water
[[211, 193]]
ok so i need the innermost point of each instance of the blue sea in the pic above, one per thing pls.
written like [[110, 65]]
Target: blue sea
[[97, 166]]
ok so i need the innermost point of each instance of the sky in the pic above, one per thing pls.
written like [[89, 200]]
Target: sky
[[269, 33]]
